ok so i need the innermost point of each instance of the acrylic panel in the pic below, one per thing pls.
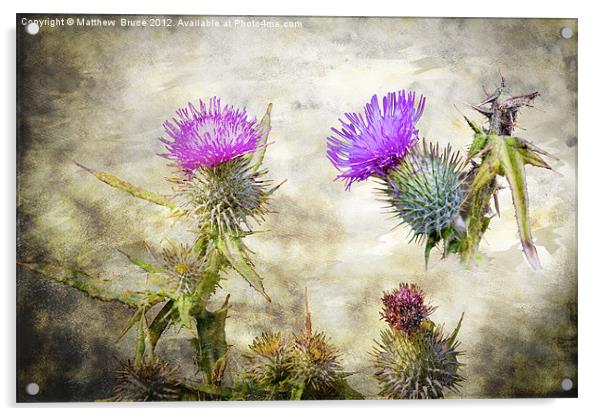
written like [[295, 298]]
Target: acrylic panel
[[295, 208]]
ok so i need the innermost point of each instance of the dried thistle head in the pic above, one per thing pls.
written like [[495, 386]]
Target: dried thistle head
[[405, 308], [315, 360], [154, 380], [269, 360], [182, 265]]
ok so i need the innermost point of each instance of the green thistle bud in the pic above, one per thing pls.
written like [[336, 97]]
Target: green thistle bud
[[224, 198], [421, 365], [147, 382], [426, 190]]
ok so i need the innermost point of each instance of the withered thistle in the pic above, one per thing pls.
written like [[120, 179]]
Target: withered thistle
[[147, 381]]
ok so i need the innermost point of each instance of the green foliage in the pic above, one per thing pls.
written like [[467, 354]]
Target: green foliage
[[125, 186], [210, 343], [96, 286], [504, 156], [233, 250]]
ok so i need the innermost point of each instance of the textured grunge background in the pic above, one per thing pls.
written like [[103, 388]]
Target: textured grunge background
[[99, 96]]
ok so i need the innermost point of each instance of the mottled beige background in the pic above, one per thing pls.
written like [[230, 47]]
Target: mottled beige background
[[99, 96]]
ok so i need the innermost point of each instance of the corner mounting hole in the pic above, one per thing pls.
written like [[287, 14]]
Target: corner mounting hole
[[566, 384], [566, 32], [32, 28], [32, 389]]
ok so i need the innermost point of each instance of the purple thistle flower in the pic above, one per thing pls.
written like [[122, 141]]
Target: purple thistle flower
[[209, 136], [377, 143], [404, 308]]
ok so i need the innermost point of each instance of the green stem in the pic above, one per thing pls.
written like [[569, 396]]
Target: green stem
[[140, 342], [477, 221], [211, 342], [210, 326]]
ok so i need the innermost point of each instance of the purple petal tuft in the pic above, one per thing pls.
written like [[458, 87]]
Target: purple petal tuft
[[404, 308], [374, 143], [209, 135]]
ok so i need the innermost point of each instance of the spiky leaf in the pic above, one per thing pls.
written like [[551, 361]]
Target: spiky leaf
[[263, 129], [94, 286], [233, 250], [125, 186]]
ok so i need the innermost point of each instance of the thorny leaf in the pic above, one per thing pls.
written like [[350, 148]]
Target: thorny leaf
[[233, 250], [95, 287], [263, 129], [131, 189]]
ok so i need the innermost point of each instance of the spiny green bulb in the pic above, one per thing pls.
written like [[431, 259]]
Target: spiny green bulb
[[425, 190], [150, 381], [224, 198], [422, 365], [315, 361], [269, 360]]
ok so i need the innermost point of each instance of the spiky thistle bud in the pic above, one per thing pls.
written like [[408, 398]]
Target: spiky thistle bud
[[269, 360], [275, 362], [414, 359], [315, 361], [225, 198], [423, 365], [425, 191], [154, 380], [404, 308], [303, 366]]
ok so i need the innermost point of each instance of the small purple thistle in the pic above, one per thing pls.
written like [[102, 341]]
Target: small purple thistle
[[209, 136], [404, 308], [376, 144]]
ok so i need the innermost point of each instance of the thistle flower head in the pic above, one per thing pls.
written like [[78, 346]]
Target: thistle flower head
[[183, 265], [209, 136], [374, 143], [404, 308], [154, 380], [225, 198], [426, 190], [421, 366]]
